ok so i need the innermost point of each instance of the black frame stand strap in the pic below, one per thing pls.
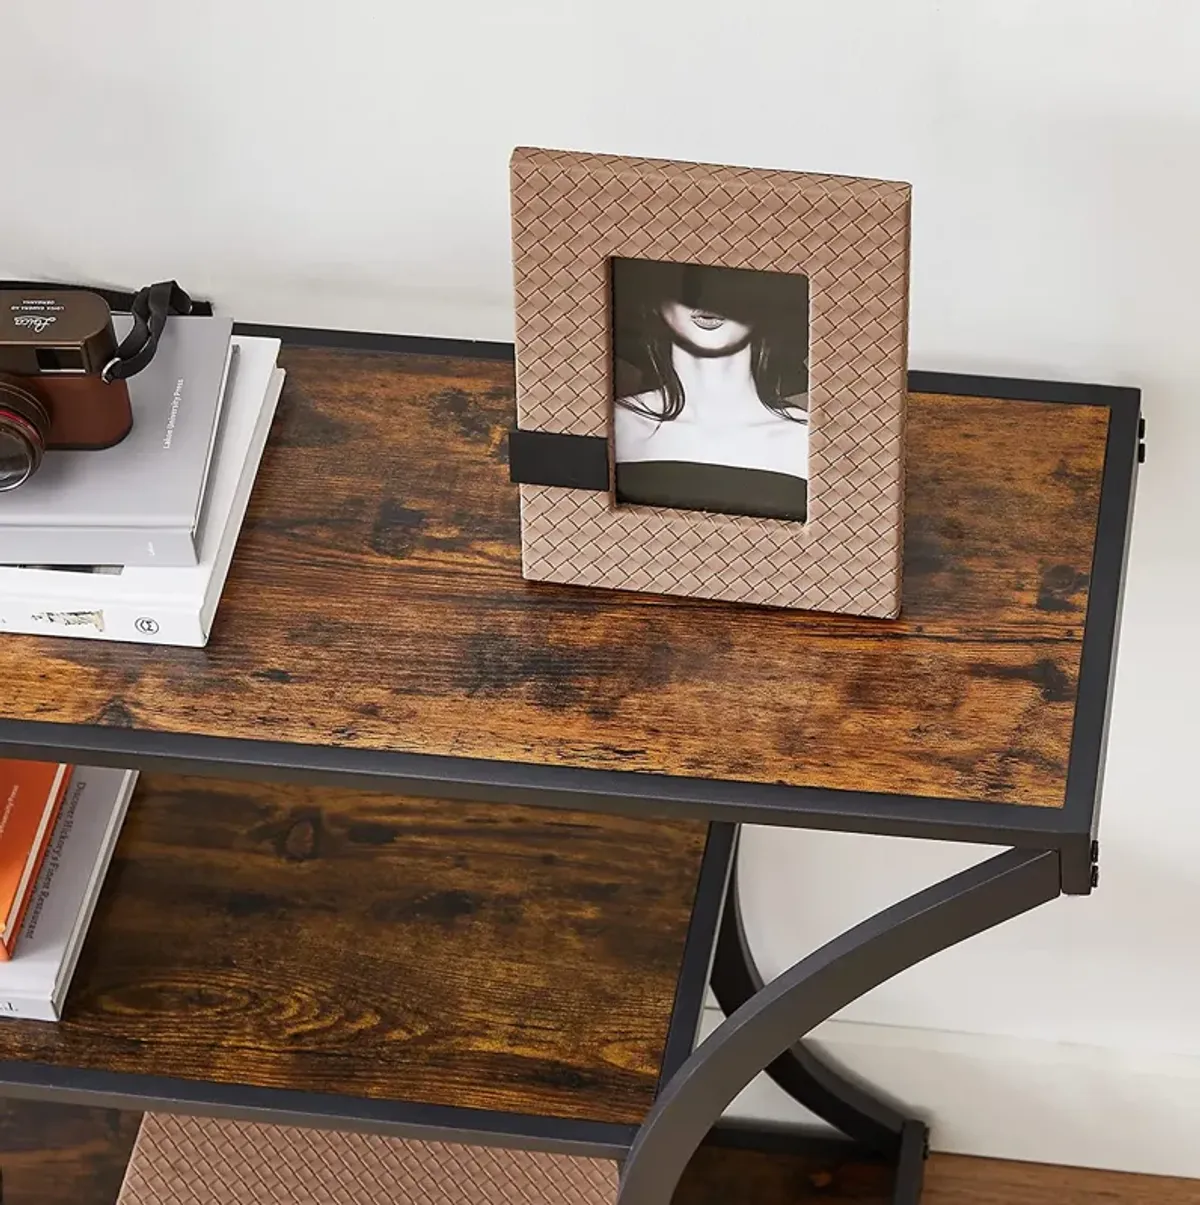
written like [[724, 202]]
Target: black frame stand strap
[[575, 462]]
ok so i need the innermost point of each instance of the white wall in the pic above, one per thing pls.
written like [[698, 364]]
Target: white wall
[[344, 164]]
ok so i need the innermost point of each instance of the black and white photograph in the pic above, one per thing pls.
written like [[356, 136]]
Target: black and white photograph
[[711, 388]]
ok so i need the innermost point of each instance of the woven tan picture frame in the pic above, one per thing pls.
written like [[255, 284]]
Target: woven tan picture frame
[[572, 215]]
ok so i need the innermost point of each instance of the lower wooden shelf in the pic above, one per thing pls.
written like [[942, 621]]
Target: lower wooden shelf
[[395, 964]]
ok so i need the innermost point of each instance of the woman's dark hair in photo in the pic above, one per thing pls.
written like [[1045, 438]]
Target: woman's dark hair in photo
[[774, 305]]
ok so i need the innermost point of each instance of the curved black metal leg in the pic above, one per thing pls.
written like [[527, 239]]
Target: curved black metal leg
[[800, 1071], [764, 1028]]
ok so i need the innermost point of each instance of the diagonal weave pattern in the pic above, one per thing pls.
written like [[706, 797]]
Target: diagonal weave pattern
[[200, 1161], [571, 214]]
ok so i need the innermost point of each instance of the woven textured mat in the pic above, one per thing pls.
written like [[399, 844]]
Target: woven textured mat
[[200, 1161]]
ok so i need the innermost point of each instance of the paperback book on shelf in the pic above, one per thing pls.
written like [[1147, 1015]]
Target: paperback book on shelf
[[33, 984], [30, 795], [139, 502], [162, 606]]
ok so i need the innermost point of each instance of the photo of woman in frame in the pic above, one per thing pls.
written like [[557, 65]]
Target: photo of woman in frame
[[711, 385]]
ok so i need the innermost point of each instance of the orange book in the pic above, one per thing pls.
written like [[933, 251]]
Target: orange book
[[31, 793]]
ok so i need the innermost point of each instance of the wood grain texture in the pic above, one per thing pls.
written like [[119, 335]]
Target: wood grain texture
[[958, 1180], [376, 602], [505, 958], [62, 1155]]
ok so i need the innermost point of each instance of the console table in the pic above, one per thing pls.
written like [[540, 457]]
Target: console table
[[426, 849]]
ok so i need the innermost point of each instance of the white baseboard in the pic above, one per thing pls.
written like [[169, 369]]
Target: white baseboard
[[1016, 1098]]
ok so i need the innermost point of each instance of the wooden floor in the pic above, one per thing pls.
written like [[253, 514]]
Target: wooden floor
[[719, 1176], [54, 1155], [955, 1180]]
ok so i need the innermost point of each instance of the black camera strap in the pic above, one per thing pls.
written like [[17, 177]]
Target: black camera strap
[[150, 308]]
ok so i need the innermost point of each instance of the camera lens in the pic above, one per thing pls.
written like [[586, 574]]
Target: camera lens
[[24, 424], [16, 460]]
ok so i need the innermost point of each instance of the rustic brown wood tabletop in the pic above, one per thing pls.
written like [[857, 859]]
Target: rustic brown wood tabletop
[[376, 603]]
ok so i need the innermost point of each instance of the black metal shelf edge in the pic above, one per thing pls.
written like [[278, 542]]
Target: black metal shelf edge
[[623, 791], [432, 1123]]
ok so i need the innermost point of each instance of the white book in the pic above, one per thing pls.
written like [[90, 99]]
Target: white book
[[33, 984], [163, 606], [79, 506]]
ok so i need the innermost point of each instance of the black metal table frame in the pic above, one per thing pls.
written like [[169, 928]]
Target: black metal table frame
[[1053, 851]]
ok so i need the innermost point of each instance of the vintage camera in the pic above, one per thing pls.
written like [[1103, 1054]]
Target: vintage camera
[[58, 352]]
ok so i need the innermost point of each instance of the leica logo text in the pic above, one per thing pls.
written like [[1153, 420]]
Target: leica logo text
[[35, 322]]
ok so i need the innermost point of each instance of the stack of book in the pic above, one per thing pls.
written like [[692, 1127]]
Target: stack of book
[[58, 827], [134, 542]]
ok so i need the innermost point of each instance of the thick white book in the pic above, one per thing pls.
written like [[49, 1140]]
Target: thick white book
[[34, 983], [163, 606]]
